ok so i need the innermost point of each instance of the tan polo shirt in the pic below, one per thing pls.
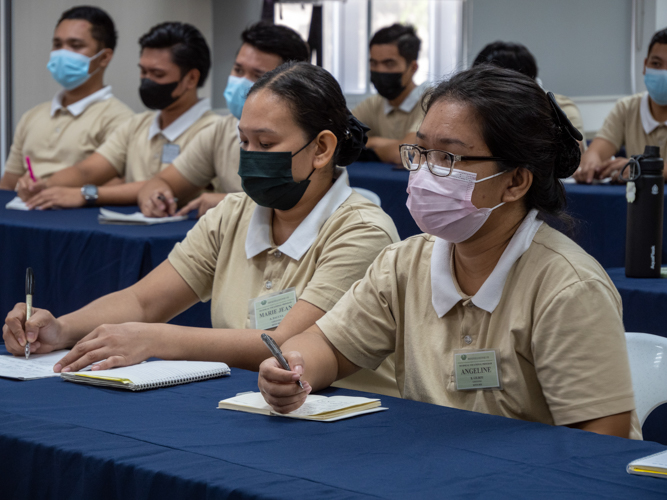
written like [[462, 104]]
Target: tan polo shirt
[[214, 157], [57, 137], [625, 126], [139, 149], [572, 111], [552, 313], [386, 121]]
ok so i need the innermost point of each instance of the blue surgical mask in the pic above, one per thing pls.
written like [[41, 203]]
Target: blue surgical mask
[[236, 93], [656, 84], [70, 69]]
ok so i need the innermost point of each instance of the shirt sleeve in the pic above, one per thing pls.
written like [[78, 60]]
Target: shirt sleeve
[[580, 354], [14, 163], [345, 259], [114, 149], [197, 160], [364, 112], [613, 129], [362, 324]]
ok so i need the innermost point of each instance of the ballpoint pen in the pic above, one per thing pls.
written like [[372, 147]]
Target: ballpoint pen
[[275, 350], [32, 174], [29, 290]]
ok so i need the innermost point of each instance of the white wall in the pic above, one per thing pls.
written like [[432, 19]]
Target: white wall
[[33, 24]]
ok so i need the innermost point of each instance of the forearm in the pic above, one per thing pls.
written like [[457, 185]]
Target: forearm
[[386, 149], [9, 181], [122, 194], [323, 365], [69, 177], [117, 307]]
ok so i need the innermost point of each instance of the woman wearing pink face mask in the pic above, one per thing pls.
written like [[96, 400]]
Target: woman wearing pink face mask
[[491, 310]]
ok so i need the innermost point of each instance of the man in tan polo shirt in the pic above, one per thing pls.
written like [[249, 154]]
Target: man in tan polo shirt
[[395, 113], [214, 156], [636, 121], [62, 132], [174, 63]]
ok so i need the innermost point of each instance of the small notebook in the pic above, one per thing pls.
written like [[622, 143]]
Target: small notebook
[[319, 408], [653, 465], [17, 204], [38, 366], [151, 375], [136, 219]]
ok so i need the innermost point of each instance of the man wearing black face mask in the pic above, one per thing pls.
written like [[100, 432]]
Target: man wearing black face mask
[[174, 63], [394, 115]]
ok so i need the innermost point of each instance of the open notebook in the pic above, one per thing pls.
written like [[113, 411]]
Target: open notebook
[[320, 408], [653, 465], [136, 219], [38, 366], [151, 375]]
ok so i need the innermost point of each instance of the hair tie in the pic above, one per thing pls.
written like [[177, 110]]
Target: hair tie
[[356, 131], [562, 120]]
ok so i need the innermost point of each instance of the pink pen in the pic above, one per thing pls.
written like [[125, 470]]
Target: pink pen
[[32, 174]]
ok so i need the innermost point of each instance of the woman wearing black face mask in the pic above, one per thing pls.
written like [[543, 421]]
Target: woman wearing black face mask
[[281, 255]]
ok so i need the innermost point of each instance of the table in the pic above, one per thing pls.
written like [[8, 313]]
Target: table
[[64, 440], [77, 260], [599, 209]]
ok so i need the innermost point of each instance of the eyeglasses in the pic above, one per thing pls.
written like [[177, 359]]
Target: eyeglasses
[[439, 163]]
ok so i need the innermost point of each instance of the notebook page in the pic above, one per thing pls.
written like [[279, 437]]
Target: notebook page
[[659, 460], [17, 204], [136, 218], [326, 405], [158, 371], [38, 366]]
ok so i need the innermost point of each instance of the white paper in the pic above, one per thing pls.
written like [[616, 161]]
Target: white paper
[[17, 204], [38, 366], [158, 371], [659, 460], [137, 218], [324, 405]]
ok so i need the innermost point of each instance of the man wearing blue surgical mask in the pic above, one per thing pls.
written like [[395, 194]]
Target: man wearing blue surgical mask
[[83, 114], [635, 122], [213, 157]]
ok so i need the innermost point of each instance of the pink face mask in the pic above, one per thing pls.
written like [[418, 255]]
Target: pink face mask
[[441, 206]]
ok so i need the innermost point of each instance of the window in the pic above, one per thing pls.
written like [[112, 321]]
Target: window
[[348, 26]]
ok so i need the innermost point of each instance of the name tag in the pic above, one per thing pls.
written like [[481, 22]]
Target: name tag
[[476, 370], [269, 310], [170, 152]]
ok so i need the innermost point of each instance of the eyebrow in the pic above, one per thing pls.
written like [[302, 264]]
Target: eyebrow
[[445, 141], [70, 39], [259, 131]]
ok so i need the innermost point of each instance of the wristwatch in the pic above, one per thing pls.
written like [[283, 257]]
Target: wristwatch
[[89, 193]]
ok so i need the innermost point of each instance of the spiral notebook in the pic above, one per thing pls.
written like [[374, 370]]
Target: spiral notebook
[[151, 375], [653, 465]]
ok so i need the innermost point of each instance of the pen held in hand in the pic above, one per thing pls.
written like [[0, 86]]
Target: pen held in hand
[[29, 290], [275, 350]]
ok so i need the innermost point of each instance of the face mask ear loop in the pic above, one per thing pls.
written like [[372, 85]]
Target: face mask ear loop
[[91, 60], [490, 176], [311, 173]]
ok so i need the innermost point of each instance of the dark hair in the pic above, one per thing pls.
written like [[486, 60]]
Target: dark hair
[[403, 36], [508, 55], [659, 37], [102, 27], [189, 49], [275, 39], [518, 124], [317, 103]]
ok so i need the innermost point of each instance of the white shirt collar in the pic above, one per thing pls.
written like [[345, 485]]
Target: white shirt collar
[[258, 238], [80, 106], [182, 123], [648, 122], [409, 103], [444, 292]]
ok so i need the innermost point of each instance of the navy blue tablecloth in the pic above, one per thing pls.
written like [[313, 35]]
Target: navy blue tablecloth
[[63, 440], [77, 260], [600, 210]]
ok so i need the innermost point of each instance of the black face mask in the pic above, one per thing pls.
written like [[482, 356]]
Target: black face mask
[[388, 85], [157, 95], [266, 177]]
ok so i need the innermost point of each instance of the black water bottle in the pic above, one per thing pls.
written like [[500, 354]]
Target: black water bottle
[[645, 194]]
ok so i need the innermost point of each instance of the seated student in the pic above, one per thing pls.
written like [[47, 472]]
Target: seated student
[[490, 276], [298, 226], [517, 57], [61, 132], [635, 122], [174, 63], [214, 155], [395, 113]]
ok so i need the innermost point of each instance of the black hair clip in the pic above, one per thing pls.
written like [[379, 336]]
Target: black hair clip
[[562, 119], [357, 131]]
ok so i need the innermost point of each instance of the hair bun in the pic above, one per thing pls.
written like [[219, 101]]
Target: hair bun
[[568, 155], [353, 141]]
